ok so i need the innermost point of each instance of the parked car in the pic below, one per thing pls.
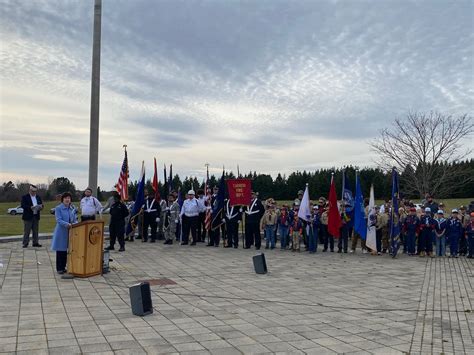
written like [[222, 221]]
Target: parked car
[[15, 210]]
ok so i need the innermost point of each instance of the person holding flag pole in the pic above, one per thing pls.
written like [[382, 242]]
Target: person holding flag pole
[[334, 216], [372, 241], [304, 213], [395, 216], [360, 222], [137, 209]]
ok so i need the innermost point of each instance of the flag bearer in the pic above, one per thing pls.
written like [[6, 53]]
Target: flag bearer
[[253, 215], [313, 232], [151, 216], [233, 216], [171, 219]]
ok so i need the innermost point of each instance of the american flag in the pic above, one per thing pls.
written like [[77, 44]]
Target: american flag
[[208, 218], [122, 184]]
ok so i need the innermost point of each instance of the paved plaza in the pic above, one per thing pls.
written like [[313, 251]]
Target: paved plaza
[[315, 304]]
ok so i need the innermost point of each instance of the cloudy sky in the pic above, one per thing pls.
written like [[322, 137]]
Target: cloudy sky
[[270, 85]]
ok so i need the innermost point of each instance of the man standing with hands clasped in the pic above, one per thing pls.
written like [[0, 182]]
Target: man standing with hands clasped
[[89, 206], [32, 205]]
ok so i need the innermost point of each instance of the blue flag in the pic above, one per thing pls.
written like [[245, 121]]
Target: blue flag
[[218, 205], [348, 199], [395, 216], [360, 222], [137, 206]]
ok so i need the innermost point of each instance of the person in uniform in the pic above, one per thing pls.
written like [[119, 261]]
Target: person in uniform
[[151, 213], [410, 229], [440, 230], [233, 216], [253, 215], [298, 200], [283, 223], [171, 219], [313, 231], [161, 231], [455, 233], [432, 205], [268, 224], [189, 218], [427, 225], [201, 231], [118, 213], [464, 218], [296, 232], [32, 205], [385, 233], [469, 232], [90, 206], [328, 238], [215, 231]]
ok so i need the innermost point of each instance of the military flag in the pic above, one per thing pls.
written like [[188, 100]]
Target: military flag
[[218, 206], [334, 217], [137, 206], [394, 216], [155, 184], [371, 222], [360, 223]]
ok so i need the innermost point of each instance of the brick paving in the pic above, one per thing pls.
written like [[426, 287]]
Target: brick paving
[[325, 303]]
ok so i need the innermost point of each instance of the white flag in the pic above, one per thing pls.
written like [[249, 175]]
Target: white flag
[[305, 212], [371, 241]]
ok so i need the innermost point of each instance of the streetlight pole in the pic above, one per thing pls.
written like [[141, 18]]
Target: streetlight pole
[[95, 100]]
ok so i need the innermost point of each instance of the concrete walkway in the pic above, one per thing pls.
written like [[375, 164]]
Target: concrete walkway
[[209, 300]]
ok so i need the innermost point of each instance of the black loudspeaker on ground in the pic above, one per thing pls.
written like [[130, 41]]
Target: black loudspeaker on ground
[[140, 299], [260, 264]]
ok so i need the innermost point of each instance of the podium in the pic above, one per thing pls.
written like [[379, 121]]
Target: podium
[[86, 242]]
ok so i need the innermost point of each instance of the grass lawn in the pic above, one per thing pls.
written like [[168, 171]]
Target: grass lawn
[[13, 225]]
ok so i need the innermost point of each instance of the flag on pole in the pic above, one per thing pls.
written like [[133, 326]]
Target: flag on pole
[[137, 206], [334, 217], [371, 222], [122, 184], [304, 211], [208, 217], [395, 216], [218, 206], [155, 184], [360, 223], [170, 181], [348, 201]]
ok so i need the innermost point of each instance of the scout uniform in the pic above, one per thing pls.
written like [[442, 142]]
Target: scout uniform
[[470, 237], [410, 229], [233, 215], [455, 233], [441, 227], [296, 231], [268, 223], [425, 239], [151, 213]]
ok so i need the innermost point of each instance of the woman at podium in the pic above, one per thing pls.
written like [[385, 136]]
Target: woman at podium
[[65, 215]]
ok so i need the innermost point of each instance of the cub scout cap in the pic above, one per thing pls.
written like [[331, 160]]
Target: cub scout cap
[[472, 214], [440, 212], [191, 192], [427, 209], [300, 192], [455, 211]]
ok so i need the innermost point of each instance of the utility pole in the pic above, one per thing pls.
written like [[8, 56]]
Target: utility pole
[[95, 100]]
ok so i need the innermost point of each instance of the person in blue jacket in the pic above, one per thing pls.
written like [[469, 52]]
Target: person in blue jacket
[[313, 231], [66, 216], [455, 232], [427, 226], [441, 231], [411, 227], [470, 237]]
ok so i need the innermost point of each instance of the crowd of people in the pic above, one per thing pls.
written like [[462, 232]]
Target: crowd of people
[[426, 228]]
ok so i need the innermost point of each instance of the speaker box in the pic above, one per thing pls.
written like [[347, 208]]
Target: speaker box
[[260, 264], [140, 299]]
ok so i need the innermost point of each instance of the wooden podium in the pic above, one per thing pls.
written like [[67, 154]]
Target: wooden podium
[[85, 252]]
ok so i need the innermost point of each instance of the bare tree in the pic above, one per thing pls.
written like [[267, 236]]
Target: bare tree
[[423, 147]]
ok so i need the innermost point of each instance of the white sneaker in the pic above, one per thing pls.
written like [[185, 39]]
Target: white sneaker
[[364, 251], [351, 251]]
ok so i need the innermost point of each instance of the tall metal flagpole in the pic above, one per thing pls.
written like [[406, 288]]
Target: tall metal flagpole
[[95, 99]]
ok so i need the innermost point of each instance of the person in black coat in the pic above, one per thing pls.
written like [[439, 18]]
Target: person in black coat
[[32, 205], [118, 213], [233, 215], [253, 215], [151, 216]]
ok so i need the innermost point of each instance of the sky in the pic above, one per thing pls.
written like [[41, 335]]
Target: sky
[[270, 85]]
